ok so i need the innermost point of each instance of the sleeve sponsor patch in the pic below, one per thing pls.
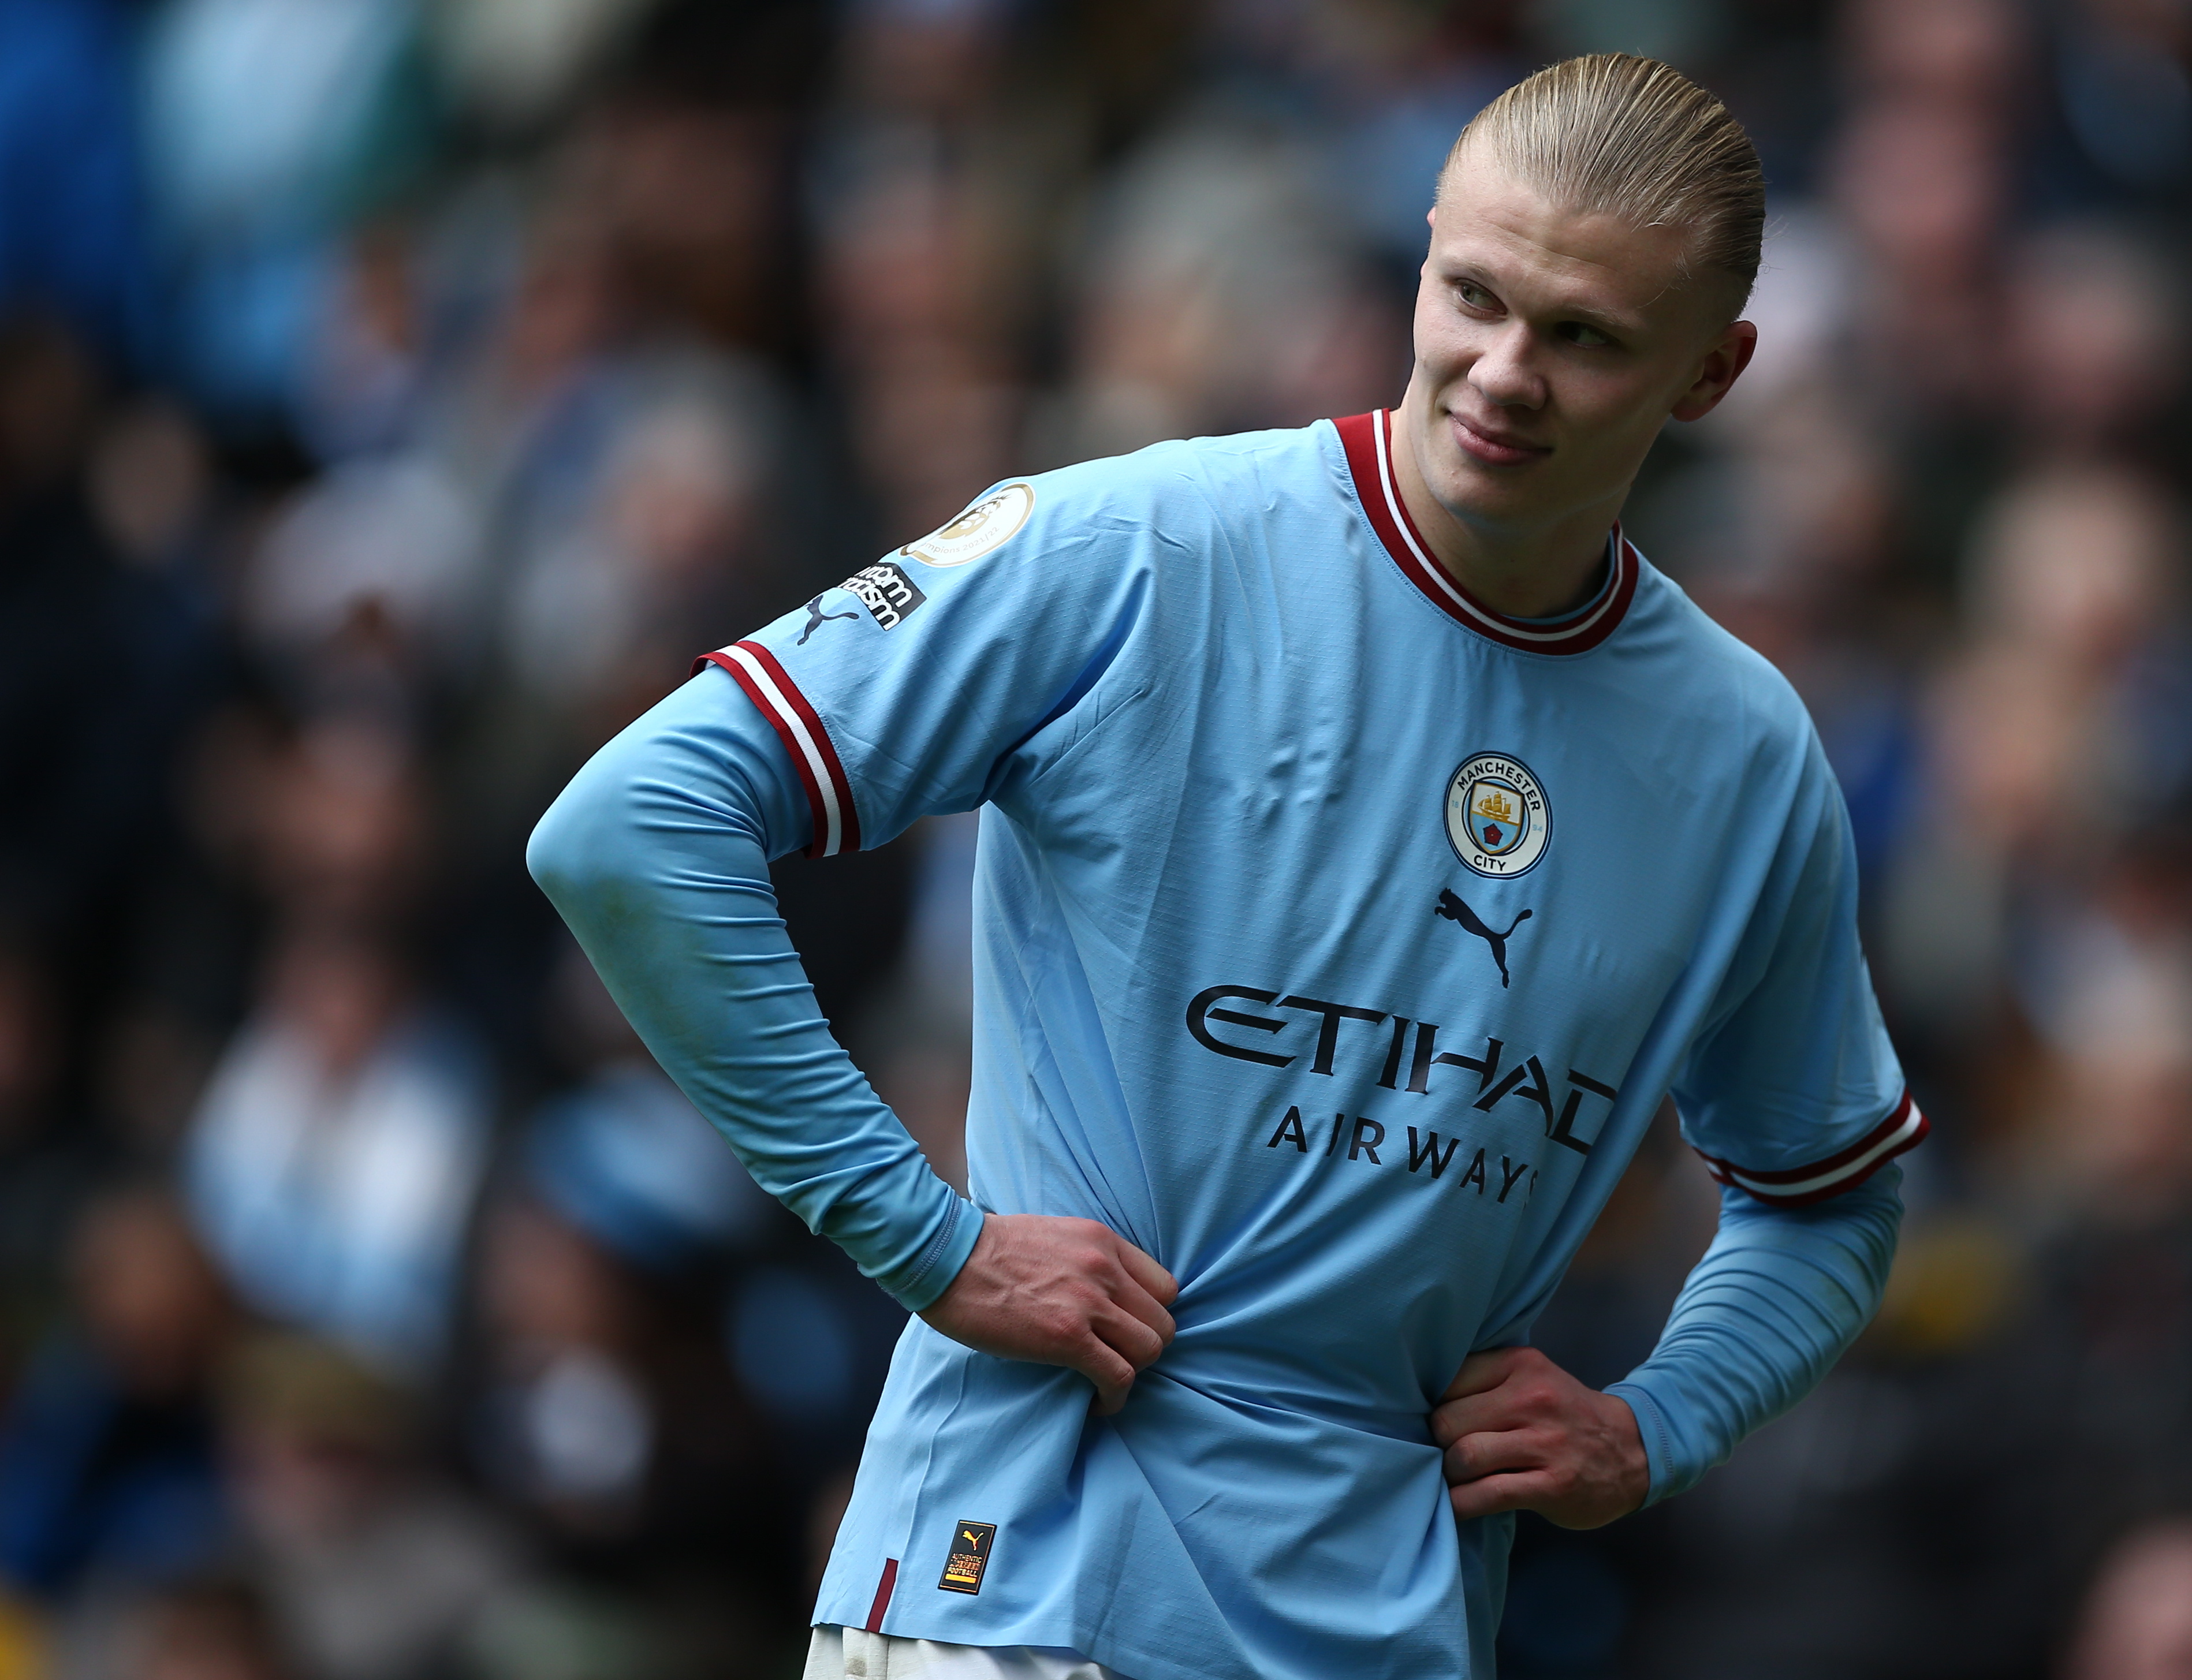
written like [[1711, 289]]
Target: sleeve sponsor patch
[[969, 1557], [890, 596]]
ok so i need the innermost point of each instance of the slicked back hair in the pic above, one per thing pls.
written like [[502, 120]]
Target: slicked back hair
[[1612, 134]]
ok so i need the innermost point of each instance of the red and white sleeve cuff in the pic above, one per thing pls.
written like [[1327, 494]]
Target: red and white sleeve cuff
[[1904, 1128], [768, 685]]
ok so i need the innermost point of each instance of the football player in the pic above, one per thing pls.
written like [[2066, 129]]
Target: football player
[[1370, 840]]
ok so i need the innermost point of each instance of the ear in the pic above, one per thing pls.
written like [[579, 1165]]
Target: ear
[[1722, 367]]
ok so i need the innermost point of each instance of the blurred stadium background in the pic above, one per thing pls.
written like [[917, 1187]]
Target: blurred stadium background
[[395, 395]]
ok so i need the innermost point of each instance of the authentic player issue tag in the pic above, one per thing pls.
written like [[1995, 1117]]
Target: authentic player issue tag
[[970, 1556], [986, 525]]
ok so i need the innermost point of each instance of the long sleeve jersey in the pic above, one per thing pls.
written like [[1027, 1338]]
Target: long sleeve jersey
[[1336, 940]]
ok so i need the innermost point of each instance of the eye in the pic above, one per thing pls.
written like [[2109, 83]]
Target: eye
[[1474, 295], [1589, 337]]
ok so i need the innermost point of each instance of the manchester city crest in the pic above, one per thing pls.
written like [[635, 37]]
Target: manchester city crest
[[1497, 817]]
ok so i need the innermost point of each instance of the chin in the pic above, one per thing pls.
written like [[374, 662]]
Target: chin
[[1467, 487]]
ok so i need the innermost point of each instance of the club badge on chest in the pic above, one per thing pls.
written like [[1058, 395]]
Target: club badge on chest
[[1498, 818]]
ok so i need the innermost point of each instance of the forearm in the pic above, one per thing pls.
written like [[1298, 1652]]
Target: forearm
[[657, 856], [1778, 1298]]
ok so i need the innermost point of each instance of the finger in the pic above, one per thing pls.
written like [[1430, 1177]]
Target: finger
[[1481, 1372], [1475, 1456], [1486, 1414], [1137, 1342], [1162, 1286], [1515, 1491], [1111, 1373], [1146, 1308]]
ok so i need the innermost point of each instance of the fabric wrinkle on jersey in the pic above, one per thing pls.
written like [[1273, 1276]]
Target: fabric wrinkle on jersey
[[851, 1653], [1218, 706]]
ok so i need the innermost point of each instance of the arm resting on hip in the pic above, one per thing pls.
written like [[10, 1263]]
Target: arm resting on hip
[[1779, 1297], [657, 856]]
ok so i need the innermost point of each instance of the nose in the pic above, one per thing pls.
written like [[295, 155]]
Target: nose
[[1505, 373]]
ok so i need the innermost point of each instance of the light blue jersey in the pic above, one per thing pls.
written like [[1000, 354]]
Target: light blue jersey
[[1336, 940]]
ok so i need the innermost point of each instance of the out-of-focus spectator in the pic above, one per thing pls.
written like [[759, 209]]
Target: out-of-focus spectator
[[602, 616], [1220, 291], [1924, 186], [922, 344], [607, 1410], [2136, 1623], [2096, 345], [600, 1402], [2125, 93], [694, 196], [509, 63], [96, 667], [368, 364], [379, 557], [1966, 55], [72, 233], [151, 480], [251, 192], [48, 1165], [213, 1629], [375, 1569], [609, 1414], [327, 821], [108, 1470], [333, 1162], [2058, 731]]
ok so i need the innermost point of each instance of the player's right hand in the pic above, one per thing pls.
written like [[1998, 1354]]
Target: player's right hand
[[1061, 1292]]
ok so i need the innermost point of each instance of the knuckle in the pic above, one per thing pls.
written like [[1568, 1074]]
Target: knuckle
[[1064, 1324]]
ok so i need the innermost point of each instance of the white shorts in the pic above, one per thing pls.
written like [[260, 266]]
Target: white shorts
[[847, 1653]]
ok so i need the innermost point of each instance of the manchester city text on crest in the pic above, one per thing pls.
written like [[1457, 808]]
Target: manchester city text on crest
[[1497, 817]]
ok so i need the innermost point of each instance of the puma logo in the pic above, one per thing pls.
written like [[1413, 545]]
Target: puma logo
[[1454, 910], [816, 617]]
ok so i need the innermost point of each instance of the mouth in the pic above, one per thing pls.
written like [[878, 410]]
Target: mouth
[[1495, 447]]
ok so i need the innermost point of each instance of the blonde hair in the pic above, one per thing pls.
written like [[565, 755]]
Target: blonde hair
[[1611, 133]]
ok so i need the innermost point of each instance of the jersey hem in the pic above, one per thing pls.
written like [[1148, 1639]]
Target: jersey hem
[[1122, 1660], [1904, 1128]]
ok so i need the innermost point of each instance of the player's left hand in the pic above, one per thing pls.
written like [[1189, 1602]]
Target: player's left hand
[[1520, 1434]]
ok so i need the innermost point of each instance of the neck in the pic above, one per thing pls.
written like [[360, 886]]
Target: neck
[[1526, 569]]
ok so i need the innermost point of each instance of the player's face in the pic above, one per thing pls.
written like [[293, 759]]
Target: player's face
[[1552, 346]]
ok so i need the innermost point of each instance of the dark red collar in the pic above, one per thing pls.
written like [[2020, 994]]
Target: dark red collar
[[1368, 439]]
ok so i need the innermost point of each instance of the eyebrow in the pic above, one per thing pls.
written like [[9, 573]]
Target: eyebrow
[[1614, 325]]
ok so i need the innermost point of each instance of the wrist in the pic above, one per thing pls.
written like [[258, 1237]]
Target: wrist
[[1634, 1476], [943, 1258], [1653, 1440]]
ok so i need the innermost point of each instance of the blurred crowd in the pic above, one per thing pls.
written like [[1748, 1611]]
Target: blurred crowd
[[395, 395]]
